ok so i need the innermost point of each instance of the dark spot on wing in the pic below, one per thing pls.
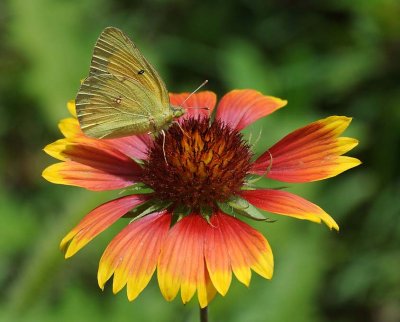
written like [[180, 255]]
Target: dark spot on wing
[[141, 72]]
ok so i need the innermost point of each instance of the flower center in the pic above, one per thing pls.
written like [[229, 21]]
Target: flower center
[[206, 163]]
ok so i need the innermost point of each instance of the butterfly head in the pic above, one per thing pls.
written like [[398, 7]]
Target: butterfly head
[[177, 111]]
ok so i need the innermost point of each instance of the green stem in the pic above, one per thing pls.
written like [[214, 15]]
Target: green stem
[[204, 314]]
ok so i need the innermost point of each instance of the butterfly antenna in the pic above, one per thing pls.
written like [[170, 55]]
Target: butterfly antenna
[[202, 84]]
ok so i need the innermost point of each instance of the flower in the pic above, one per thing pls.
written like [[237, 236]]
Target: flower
[[187, 190]]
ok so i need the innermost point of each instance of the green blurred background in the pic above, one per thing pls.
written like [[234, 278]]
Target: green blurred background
[[324, 57]]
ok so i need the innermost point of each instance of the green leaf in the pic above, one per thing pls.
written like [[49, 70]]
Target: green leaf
[[147, 208], [239, 203], [206, 212], [181, 211], [239, 206], [227, 209], [139, 188]]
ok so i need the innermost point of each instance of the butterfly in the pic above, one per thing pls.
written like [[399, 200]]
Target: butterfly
[[123, 94]]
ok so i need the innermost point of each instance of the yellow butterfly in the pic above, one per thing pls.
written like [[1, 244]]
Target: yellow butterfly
[[123, 95]]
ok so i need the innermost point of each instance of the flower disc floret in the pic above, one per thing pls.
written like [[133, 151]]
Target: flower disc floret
[[197, 163]]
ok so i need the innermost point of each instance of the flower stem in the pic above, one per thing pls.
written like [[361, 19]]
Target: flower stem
[[204, 314]]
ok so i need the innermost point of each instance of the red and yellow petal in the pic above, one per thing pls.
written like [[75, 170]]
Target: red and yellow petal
[[198, 104], [69, 127], [134, 146], [133, 254], [217, 257], [205, 289], [288, 204], [79, 175], [311, 153], [240, 108], [91, 164], [181, 263], [97, 221], [233, 245], [72, 108]]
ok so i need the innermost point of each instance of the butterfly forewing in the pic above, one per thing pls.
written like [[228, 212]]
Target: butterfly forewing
[[116, 54], [110, 106], [123, 94]]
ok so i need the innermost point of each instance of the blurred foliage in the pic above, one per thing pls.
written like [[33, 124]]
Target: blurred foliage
[[325, 57]]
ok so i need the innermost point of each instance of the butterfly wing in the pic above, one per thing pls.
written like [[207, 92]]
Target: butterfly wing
[[110, 106], [123, 94], [116, 54]]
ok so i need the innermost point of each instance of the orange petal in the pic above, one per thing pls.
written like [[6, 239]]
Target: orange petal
[[246, 247], [91, 164], [133, 254], [310, 153], [240, 108], [97, 221], [288, 204], [181, 263], [199, 104]]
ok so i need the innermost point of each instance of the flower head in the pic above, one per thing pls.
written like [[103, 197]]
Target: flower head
[[189, 186]]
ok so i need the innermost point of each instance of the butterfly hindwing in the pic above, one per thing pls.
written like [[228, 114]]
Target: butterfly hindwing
[[110, 106]]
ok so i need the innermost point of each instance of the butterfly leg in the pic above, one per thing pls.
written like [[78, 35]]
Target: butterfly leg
[[177, 123], [152, 125], [163, 146], [155, 129]]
